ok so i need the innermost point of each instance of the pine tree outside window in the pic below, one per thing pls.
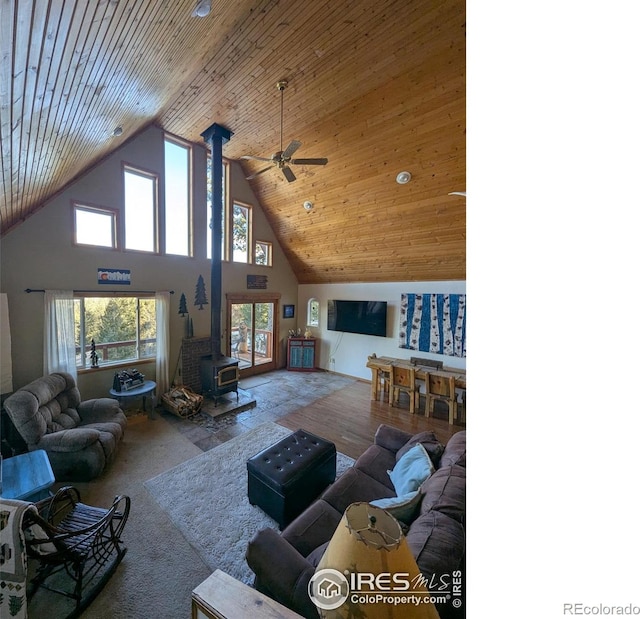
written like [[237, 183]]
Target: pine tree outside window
[[123, 328], [263, 253], [313, 313], [241, 232], [225, 176]]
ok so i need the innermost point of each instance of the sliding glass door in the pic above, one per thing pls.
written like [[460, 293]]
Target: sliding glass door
[[252, 334]]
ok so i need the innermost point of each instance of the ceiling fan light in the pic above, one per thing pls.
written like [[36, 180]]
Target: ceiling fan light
[[403, 178], [283, 158]]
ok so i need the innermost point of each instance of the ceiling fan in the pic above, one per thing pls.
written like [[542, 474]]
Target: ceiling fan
[[282, 159]]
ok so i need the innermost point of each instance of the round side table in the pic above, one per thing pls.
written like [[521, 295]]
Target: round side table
[[148, 386]]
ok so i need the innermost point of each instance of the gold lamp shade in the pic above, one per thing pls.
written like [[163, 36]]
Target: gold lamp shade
[[368, 571]]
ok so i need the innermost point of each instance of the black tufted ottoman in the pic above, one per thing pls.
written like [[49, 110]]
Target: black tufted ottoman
[[285, 478]]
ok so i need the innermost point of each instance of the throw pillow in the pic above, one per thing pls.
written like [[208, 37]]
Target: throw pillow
[[411, 470], [429, 441], [400, 507]]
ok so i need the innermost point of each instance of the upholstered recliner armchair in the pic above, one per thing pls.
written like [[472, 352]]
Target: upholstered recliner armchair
[[80, 438]]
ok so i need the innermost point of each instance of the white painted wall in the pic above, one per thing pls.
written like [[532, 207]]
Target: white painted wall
[[39, 253], [350, 350]]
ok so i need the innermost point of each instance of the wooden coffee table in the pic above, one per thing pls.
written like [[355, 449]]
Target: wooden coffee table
[[223, 597]]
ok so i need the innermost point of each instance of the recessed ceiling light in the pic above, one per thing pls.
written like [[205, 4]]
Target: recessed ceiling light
[[307, 205], [403, 178], [203, 8], [117, 132]]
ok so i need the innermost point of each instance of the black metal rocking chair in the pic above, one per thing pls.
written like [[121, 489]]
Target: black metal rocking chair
[[81, 540]]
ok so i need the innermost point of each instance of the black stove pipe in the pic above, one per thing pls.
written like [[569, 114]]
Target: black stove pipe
[[216, 136]]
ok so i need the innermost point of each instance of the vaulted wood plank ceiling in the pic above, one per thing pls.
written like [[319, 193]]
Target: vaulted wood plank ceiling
[[376, 86]]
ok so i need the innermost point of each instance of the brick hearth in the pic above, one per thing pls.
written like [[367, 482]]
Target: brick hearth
[[193, 349]]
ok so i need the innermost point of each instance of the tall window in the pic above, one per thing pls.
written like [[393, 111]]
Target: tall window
[[122, 328], [241, 232], [313, 313], [140, 210], [263, 253], [177, 198], [210, 206], [94, 226]]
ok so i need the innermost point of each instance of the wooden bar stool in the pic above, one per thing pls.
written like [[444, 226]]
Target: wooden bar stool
[[441, 388], [380, 381], [403, 379]]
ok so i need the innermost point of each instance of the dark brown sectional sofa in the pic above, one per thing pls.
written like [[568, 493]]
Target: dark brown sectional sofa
[[284, 563]]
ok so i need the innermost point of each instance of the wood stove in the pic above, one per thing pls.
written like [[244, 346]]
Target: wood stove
[[219, 376]]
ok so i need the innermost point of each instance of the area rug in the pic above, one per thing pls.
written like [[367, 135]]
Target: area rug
[[206, 499]]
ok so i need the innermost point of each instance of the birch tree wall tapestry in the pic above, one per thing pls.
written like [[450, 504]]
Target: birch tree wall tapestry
[[434, 323]]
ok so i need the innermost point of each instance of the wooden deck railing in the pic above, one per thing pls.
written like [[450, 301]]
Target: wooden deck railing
[[263, 342], [107, 352]]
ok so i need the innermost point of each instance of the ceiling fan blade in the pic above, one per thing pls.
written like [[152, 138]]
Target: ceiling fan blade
[[317, 161], [259, 172], [288, 174], [255, 158], [292, 148]]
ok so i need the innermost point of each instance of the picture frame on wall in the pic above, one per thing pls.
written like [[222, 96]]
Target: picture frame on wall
[[288, 311]]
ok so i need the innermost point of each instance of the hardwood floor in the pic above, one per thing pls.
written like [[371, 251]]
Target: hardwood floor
[[350, 419], [342, 413]]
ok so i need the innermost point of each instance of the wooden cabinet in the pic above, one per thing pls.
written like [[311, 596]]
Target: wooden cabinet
[[301, 354]]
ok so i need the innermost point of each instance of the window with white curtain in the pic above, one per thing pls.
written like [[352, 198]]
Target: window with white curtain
[[59, 348]]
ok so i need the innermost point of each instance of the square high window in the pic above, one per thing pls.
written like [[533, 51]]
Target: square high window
[[94, 226]]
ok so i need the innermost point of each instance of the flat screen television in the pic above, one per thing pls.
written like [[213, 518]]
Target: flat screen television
[[366, 317]]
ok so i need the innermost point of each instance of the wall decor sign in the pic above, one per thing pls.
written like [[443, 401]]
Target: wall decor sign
[[434, 323], [114, 276], [256, 282]]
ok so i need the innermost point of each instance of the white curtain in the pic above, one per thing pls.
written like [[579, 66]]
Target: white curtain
[[162, 342], [59, 332], [6, 374]]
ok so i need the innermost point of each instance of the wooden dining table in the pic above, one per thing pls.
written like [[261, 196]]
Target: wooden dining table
[[384, 364]]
